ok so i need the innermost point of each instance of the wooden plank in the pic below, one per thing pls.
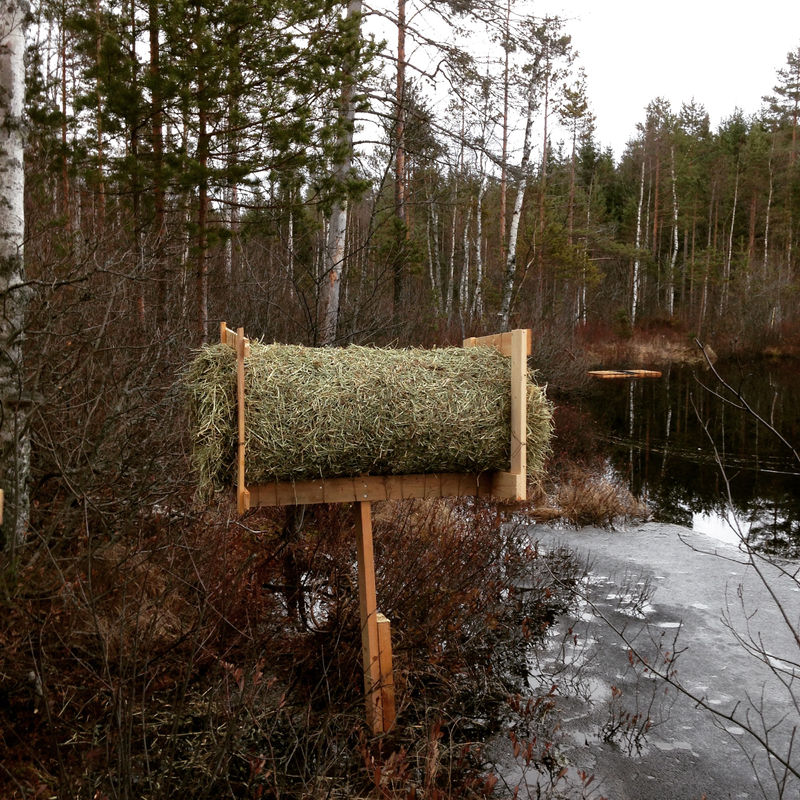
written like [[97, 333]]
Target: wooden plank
[[519, 409], [509, 486], [605, 374], [370, 488], [242, 495], [387, 674], [1, 506], [502, 341], [226, 335], [370, 649]]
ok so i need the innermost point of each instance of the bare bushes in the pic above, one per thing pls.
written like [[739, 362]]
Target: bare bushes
[[587, 498], [198, 658], [582, 496]]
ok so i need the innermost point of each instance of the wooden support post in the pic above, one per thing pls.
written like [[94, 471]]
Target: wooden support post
[[370, 647], [519, 410], [518, 345], [1, 506], [387, 675], [242, 350]]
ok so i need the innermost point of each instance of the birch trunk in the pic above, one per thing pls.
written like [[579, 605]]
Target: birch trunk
[[451, 268], [726, 276], [504, 156], [14, 295], [201, 267], [337, 229], [585, 254], [463, 288], [400, 157], [511, 257], [477, 297], [435, 265], [637, 262], [766, 221], [674, 257]]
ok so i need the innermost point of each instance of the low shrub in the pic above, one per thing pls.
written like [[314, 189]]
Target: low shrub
[[193, 656]]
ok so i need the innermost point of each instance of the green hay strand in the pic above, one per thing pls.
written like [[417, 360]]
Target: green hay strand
[[337, 412]]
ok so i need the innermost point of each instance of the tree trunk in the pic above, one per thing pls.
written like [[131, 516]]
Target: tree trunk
[[766, 220], [477, 297], [201, 284], [726, 275], [400, 157], [674, 256], [636, 262], [571, 198], [337, 228], [66, 209], [463, 288], [157, 144], [511, 258], [433, 256], [451, 268], [101, 186], [14, 295], [504, 156]]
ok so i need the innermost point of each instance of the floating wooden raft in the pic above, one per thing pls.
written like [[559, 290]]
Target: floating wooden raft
[[606, 374]]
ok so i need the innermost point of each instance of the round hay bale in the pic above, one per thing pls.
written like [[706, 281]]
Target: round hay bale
[[339, 412]]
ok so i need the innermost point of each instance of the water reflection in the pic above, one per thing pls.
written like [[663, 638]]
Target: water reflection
[[704, 463]]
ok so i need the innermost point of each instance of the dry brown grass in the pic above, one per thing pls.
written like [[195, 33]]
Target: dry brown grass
[[643, 350], [584, 496]]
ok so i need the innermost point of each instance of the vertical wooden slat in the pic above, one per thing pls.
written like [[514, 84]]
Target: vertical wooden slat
[[370, 649], [387, 676], [242, 495], [519, 409]]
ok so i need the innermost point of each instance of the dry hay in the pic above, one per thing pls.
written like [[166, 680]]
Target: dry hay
[[338, 412]]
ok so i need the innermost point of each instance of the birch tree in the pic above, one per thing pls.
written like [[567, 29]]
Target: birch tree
[[14, 438], [509, 276], [638, 245], [337, 227], [540, 41]]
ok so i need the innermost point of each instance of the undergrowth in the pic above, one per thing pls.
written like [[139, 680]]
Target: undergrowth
[[198, 657]]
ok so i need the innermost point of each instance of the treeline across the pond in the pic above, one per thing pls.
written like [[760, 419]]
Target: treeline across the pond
[[238, 160]]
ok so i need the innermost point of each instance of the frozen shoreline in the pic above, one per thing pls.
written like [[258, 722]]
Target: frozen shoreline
[[700, 591]]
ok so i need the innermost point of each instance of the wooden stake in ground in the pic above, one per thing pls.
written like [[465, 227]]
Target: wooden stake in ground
[[377, 716]]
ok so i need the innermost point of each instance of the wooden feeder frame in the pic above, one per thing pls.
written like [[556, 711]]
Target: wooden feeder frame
[[376, 643]]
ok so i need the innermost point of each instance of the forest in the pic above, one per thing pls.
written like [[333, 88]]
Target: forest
[[292, 168]]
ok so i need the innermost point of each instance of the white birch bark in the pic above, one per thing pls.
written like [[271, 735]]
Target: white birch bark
[[674, 258], [637, 262], [726, 274], [511, 256], [334, 254], [14, 295], [477, 297], [463, 288], [585, 253], [451, 268], [766, 221], [434, 267]]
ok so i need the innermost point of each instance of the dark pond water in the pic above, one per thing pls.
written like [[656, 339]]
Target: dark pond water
[[661, 436]]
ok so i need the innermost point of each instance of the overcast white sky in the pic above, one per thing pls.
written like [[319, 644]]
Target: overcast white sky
[[723, 55]]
